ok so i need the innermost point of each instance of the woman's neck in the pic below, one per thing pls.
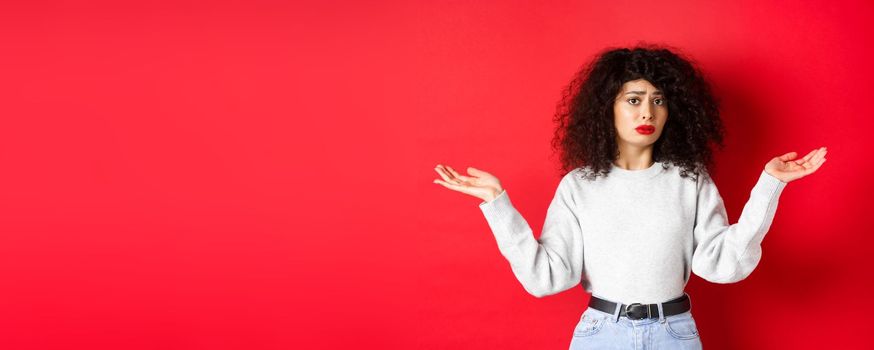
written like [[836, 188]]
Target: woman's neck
[[632, 158]]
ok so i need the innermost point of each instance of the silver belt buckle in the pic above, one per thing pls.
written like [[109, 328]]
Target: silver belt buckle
[[627, 314]]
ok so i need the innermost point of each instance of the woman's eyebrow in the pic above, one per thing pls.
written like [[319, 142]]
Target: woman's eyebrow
[[657, 92]]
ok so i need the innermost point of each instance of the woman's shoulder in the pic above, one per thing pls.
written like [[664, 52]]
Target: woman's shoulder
[[582, 173], [691, 176]]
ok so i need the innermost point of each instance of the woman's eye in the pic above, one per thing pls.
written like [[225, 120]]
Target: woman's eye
[[659, 101], [632, 101]]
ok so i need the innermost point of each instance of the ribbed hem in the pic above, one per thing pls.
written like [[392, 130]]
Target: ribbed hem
[[501, 216], [498, 204], [768, 186]]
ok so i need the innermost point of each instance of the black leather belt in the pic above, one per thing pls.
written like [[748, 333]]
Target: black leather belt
[[637, 311]]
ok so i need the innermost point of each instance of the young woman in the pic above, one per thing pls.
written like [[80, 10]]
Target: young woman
[[637, 211]]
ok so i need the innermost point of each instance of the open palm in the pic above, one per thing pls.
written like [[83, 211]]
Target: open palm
[[479, 184], [787, 168]]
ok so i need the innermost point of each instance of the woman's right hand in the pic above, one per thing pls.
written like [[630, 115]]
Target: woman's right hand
[[479, 184]]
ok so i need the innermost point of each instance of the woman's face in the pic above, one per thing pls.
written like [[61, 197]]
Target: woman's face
[[639, 114]]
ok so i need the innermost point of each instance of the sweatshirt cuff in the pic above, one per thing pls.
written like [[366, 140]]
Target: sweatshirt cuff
[[498, 212], [497, 205], [768, 186], [503, 219]]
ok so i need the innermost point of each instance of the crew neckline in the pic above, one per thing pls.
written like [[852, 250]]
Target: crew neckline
[[647, 173]]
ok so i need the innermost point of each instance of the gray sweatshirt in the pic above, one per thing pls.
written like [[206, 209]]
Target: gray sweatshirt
[[634, 236]]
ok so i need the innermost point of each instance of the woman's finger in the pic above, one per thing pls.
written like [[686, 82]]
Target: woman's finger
[[459, 176], [810, 161], [478, 173], [806, 158], [814, 167], [444, 174], [817, 161], [819, 155], [821, 160], [451, 186], [453, 172]]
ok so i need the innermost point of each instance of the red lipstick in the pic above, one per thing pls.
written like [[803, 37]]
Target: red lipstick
[[645, 129]]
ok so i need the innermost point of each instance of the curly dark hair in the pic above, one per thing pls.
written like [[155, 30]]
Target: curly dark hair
[[585, 134]]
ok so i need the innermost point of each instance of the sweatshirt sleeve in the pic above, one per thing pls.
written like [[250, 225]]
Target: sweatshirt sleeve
[[544, 266], [726, 253]]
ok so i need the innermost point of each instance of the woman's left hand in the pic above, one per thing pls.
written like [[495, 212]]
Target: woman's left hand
[[787, 168]]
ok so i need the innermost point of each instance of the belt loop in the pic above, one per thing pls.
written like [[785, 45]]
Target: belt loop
[[661, 313], [616, 312]]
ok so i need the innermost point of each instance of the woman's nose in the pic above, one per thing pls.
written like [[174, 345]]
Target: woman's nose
[[645, 112]]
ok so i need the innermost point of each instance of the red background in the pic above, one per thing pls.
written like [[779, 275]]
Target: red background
[[257, 174]]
